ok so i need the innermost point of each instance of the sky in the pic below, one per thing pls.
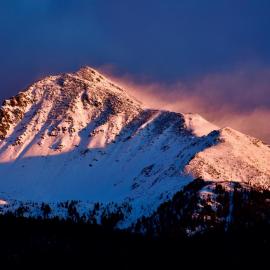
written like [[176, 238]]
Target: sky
[[210, 56]]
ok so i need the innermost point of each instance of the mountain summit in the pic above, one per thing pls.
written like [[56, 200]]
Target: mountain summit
[[79, 136]]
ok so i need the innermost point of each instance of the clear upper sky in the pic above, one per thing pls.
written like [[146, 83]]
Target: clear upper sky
[[163, 41]]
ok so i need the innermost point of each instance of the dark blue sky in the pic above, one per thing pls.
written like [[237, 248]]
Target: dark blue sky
[[163, 41]]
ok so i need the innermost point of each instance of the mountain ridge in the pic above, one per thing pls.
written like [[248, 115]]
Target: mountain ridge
[[79, 136]]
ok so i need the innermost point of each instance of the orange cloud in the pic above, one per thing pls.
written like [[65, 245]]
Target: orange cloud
[[240, 99]]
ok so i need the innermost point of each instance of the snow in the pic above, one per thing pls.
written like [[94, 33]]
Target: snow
[[198, 125], [81, 137], [3, 202], [236, 157]]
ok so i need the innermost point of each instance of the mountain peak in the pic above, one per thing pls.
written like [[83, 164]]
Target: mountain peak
[[80, 136], [58, 112], [89, 74]]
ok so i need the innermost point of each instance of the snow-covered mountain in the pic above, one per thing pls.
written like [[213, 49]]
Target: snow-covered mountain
[[78, 136]]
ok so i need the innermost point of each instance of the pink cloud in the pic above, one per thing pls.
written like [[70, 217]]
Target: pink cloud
[[240, 98]]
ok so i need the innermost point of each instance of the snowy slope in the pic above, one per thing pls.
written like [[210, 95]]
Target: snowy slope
[[79, 136]]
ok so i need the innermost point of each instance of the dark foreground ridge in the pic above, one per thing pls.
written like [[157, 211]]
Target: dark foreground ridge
[[244, 241], [53, 242]]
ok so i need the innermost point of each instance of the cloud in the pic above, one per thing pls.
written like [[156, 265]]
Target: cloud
[[239, 98]]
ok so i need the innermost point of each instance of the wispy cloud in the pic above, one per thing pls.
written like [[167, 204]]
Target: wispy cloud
[[240, 98]]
